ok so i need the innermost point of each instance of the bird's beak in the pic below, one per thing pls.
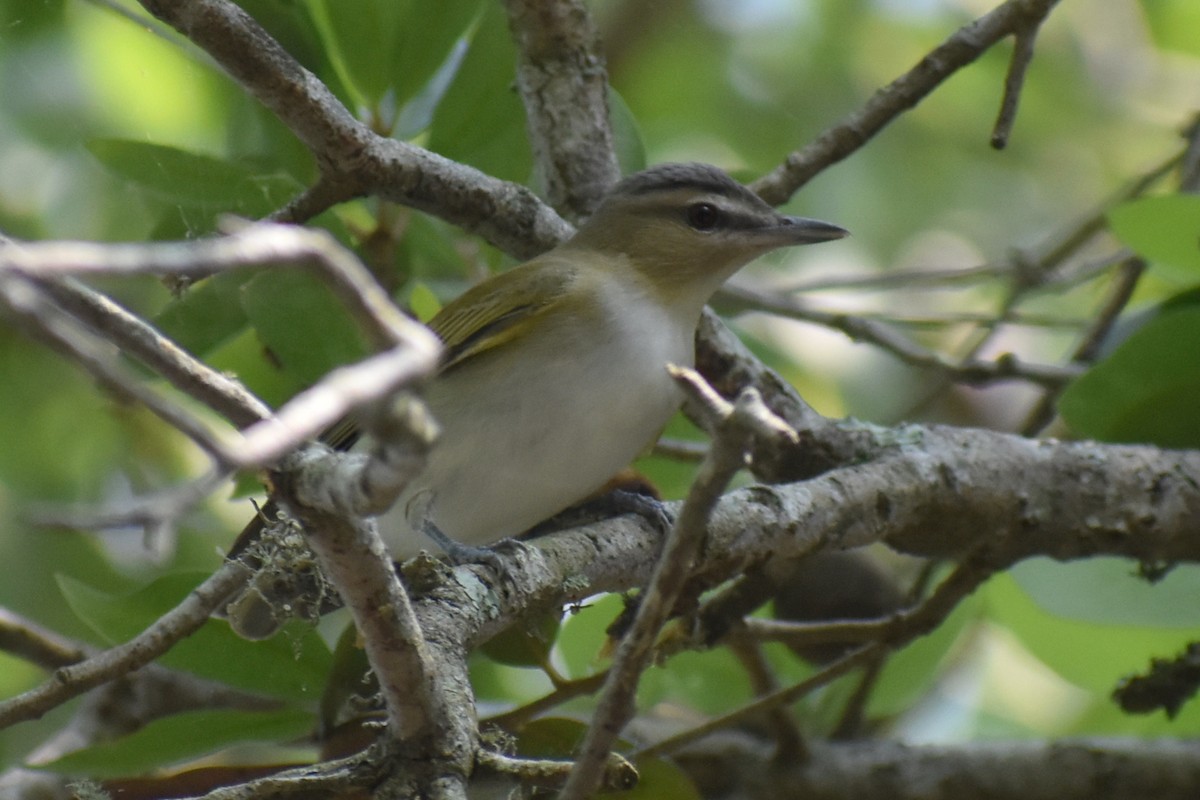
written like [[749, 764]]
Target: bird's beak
[[802, 230]]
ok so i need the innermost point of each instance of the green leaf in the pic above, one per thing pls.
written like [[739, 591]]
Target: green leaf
[[658, 779], [1087, 654], [180, 738], [245, 357], [302, 323], [584, 638], [207, 314], [1172, 23], [1162, 229], [627, 136], [358, 35], [911, 672], [293, 665], [1147, 390], [480, 120], [425, 41], [389, 48], [423, 302], [1108, 591], [525, 644], [551, 737], [349, 677], [192, 178]]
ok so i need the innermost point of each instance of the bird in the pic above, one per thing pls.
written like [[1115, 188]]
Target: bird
[[553, 375]]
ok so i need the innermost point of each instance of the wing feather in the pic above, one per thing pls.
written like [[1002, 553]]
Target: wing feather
[[498, 310]]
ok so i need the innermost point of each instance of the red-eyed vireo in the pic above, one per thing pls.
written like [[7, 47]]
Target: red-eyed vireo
[[554, 375]]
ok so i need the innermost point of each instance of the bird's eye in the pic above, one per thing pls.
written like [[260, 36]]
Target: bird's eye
[[703, 216]]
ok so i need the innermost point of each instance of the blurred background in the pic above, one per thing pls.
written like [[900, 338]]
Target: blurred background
[[113, 128]]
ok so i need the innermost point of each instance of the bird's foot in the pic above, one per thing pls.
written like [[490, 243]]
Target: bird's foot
[[460, 553]]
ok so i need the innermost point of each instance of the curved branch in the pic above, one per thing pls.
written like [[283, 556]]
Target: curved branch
[[961, 49], [353, 160]]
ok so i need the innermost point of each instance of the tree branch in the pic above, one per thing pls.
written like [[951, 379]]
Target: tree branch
[[1078, 769], [564, 88], [178, 623], [353, 160], [961, 49], [733, 426]]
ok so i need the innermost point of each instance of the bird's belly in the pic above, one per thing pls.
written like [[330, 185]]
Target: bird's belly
[[531, 445]]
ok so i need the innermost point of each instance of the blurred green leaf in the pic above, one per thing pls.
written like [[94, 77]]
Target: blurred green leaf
[[1173, 23], [658, 778], [1089, 655], [358, 35], [389, 47], [178, 738], [1108, 591], [61, 440], [1163, 229], [349, 677], [583, 638], [551, 737], [426, 41], [423, 302], [293, 664], [245, 357], [526, 644], [910, 673], [480, 120], [1146, 390], [689, 678], [179, 175], [302, 323], [627, 136], [206, 314]]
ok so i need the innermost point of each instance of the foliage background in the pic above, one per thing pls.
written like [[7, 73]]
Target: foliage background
[[114, 129]]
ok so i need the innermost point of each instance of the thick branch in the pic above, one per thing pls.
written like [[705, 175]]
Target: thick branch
[[1081, 769], [943, 492], [564, 88], [353, 160]]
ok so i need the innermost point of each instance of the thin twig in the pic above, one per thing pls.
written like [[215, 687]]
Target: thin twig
[[327, 779], [149, 511], [353, 159], [971, 371], [1018, 66], [733, 427], [898, 279], [890, 633], [178, 623], [680, 449], [25, 299], [26, 639], [1088, 348], [567, 690], [137, 338], [617, 775], [959, 50]]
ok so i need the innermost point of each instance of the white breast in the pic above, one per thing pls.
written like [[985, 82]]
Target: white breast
[[529, 443]]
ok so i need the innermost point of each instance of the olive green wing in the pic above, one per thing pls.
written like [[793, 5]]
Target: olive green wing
[[483, 317], [498, 310]]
